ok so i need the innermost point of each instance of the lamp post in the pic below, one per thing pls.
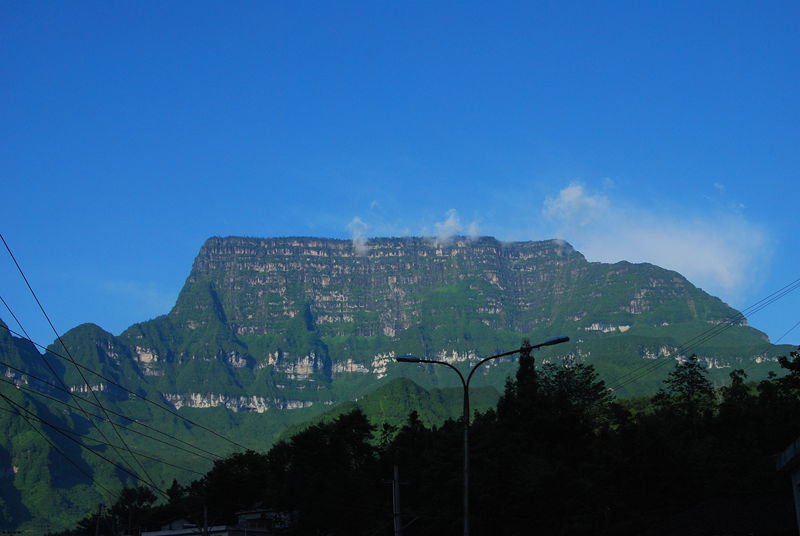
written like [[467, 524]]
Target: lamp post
[[525, 349]]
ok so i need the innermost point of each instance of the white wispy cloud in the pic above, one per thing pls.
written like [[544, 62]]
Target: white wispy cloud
[[609, 183], [358, 233], [447, 229], [473, 230], [574, 207], [720, 250]]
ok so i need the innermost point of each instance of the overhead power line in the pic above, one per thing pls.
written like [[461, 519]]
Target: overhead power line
[[72, 360], [696, 341], [109, 494], [130, 392], [101, 418], [90, 438], [749, 311], [66, 390], [44, 359], [81, 444], [791, 329]]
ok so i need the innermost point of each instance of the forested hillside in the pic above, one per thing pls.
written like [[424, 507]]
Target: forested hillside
[[269, 334], [558, 455]]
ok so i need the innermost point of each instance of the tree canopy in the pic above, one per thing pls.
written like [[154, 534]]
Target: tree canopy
[[559, 455]]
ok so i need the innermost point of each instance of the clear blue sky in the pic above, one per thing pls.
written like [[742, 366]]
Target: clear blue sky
[[646, 131]]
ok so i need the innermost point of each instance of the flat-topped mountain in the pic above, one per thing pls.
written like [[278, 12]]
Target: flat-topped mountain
[[305, 307], [286, 323], [518, 286], [267, 333]]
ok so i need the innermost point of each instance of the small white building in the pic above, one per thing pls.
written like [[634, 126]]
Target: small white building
[[260, 522]]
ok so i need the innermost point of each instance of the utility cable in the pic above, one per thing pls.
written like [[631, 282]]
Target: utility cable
[[67, 436], [787, 332], [641, 371], [70, 393], [749, 311], [733, 319], [90, 438], [64, 388], [55, 374], [28, 338], [72, 360], [108, 492], [14, 317], [130, 392], [696, 341], [101, 418]]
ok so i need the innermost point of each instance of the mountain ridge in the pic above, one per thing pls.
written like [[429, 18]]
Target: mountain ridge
[[270, 333], [308, 309]]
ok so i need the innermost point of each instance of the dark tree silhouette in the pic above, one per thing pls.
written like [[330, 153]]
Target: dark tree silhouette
[[558, 456]]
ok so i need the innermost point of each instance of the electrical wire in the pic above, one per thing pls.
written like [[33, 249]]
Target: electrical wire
[[14, 316], [639, 372], [130, 392], [11, 404], [101, 418], [625, 379], [52, 370], [787, 332], [698, 340], [749, 311], [90, 438], [70, 393], [67, 436], [72, 360], [730, 321]]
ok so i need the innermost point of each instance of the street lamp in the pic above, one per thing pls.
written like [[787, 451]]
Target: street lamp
[[524, 350]]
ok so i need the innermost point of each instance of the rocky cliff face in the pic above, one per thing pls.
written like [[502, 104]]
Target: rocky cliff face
[[270, 332], [287, 323], [259, 283], [290, 322]]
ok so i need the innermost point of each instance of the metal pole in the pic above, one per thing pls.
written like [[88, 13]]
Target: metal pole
[[97, 524], [398, 524], [466, 459], [525, 349]]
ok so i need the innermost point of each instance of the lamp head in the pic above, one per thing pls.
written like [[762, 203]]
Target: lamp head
[[551, 342], [407, 359]]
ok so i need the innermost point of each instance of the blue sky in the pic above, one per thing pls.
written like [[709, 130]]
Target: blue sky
[[644, 131]]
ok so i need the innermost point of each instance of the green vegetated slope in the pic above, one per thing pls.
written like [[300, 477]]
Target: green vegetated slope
[[392, 403], [556, 455], [270, 333]]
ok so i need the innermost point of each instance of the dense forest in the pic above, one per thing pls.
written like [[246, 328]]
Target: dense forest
[[558, 455], [269, 334]]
